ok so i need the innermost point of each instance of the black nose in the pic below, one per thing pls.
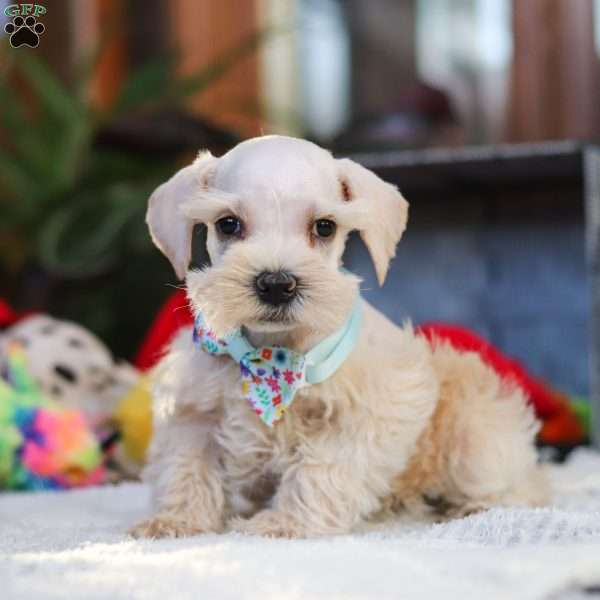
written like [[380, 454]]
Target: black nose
[[276, 288]]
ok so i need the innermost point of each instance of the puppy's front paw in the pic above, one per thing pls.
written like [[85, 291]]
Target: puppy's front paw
[[269, 523], [164, 526]]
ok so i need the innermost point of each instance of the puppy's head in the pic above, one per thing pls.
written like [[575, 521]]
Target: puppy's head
[[278, 211]]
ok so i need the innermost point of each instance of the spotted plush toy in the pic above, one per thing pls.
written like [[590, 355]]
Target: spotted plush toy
[[71, 365], [42, 445], [73, 368]]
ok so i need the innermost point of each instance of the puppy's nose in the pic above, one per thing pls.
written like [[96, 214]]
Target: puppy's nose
[[276, 288]]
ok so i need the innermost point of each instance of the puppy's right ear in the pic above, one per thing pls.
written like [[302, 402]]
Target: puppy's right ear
[[171, 231]]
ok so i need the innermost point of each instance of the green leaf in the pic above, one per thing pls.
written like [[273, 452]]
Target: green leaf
[[71, 151], [149, 84], [17, 181], [18, 134], [53, 146], [49, 90]]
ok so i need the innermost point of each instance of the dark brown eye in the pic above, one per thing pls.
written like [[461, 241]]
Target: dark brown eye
[[229, 226], [324, 228]]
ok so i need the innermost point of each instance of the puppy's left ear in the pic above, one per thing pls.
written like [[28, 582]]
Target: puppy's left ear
[[386, 212], [171, 231]]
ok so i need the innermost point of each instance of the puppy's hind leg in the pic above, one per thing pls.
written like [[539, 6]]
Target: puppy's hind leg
[[493, 460], [478, 450], [187, 492]]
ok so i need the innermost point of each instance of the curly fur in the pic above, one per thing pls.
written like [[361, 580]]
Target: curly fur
[[401, 425]]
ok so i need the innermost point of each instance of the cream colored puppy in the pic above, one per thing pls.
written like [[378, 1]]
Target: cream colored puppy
[[399, 425]]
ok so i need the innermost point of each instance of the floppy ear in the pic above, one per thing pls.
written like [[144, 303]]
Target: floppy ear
[[171, 231], [385, 208]]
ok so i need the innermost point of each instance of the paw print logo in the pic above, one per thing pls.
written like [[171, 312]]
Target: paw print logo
[[24, 32]]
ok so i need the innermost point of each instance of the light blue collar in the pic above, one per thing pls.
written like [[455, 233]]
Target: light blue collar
[[271, 375], [324, 359], [329, 354]]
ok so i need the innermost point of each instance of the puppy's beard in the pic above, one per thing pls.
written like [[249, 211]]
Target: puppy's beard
[[226, 296]]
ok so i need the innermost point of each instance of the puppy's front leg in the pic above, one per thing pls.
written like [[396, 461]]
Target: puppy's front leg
[[186, 484], [319, 498]]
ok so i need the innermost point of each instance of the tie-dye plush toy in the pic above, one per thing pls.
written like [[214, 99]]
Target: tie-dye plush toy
[[42, 444]]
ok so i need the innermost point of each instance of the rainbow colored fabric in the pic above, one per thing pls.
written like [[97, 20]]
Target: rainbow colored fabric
[[42, 445]]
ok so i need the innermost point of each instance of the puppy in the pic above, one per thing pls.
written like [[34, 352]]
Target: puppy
[[401, 424]]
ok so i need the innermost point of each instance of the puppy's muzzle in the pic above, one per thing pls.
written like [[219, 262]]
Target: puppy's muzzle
[[276, 288]]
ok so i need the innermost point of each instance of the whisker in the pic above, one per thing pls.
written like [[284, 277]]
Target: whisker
[[188, 306], [176, 286]]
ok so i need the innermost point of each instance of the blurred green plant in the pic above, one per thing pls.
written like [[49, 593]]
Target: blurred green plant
[[67, 203], [73, 241]]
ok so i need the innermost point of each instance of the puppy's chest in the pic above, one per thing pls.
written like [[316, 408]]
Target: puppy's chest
[[251, 448]]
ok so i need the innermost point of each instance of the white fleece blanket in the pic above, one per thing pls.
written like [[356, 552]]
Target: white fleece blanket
[[73, 545]]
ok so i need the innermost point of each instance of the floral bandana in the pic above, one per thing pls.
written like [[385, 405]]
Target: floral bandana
[[272, 375]]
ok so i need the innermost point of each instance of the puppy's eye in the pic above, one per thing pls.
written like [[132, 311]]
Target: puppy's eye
[[324, 228], [229, 226]]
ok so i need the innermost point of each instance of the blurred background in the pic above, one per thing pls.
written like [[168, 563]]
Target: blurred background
[[430, 93]]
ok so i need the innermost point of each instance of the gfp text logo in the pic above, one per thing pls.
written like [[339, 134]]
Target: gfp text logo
[[24, 29]]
